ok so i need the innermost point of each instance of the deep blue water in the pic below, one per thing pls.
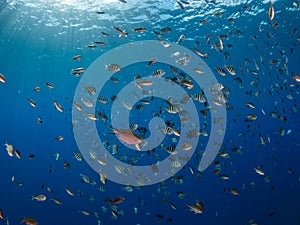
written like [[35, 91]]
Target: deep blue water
[[37, 43]]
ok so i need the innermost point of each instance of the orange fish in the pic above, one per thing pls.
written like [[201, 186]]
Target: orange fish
[[29, 221], [116, 200], [127, 136], [1, 214]]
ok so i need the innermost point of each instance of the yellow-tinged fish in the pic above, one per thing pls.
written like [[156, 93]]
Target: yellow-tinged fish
[[2, 78], [197, 208], [91, 116], [84, 212], [57, 105], [9, 149], [234, 191], [39, 198], [29, 221], [57, 201], [102, 177], [271, 11], [59, 138]]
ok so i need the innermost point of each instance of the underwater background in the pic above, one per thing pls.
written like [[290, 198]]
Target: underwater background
[[255, 179]]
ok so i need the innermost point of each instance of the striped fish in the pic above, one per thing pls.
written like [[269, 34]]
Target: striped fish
[[113, 67], [199, 98], [87, 180], [158, 73], [220, 71], [102, 99], [77, 156], [133, 126], [230, 70]]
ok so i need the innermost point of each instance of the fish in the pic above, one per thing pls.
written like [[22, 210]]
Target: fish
[[157, 33], [9, 149], [87, 179], [69, 191], [197, 208], [91, 46], [104, 33], [39, 198], [102, 100], [200, 71], [39, 120], [91, 116], [141, 82], [17, 154], [1, 214], [84, 212], [116, 200], [113, 67], [123, 1], [259, 171], [102, 177], [181, 39], [121, 32], [250, 105], [29, 221], [100, 43], [57, 105], [31, 102], [37, 88], [166, 29], [59, 138], [140, 29], [49, 85], [127, 136], [56, 201], [296, 78], [234, 191], [251, 117], [77, 106], [77, 57], [158, 73], [230, 70], [2, 78], [271, 11], [77, 156], [221, 43], [87, 102], [151, 61], [220, 71]]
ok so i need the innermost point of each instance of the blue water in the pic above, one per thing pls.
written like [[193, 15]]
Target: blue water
[[37, 43]]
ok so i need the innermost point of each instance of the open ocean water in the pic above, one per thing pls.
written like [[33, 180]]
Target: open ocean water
[[224, 76]]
